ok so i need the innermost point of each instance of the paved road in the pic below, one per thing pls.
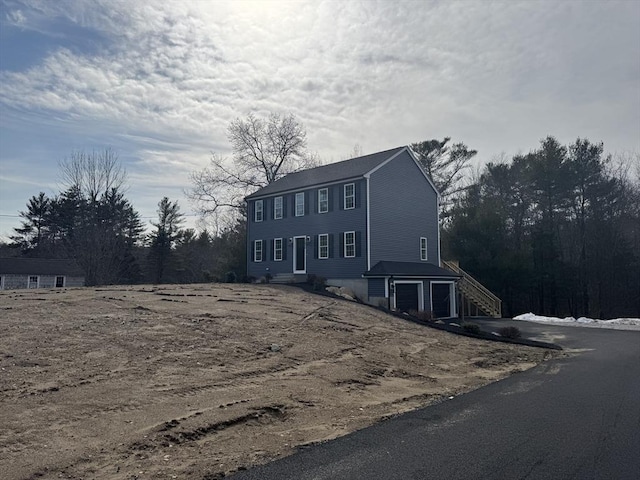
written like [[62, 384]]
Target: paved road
[[570, 418]]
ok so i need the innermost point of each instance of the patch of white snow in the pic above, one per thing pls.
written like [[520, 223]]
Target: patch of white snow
[[616, 323]]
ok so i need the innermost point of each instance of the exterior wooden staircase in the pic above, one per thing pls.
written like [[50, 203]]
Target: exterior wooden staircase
[[474, 292]]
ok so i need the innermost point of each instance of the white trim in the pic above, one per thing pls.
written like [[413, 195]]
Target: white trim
[[344, 196], [295, 254], [438, 225], [380, 165], [344, 244], [413, 156], [326, 190], [453, 311], [369, 228], [295, 204], [325, 235], [255, 251], [426, 249], [420, 293], [275, 259], [275, 217], [255, 211]]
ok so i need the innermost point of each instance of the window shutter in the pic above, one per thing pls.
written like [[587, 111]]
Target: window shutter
[[331, 245], [307, 201], [316, 244], [356, 194], [253, 251], [330, 198], [273, 249], [265, 210], [341, 244], [341, 197], [358, 241], [285, 242], [284, 207], [265, 250]]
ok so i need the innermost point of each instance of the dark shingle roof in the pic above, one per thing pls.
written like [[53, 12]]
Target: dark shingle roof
[[352, 168], [40, 266], [408, 269]]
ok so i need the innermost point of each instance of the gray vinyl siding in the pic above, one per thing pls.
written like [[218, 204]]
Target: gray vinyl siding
[[335, 222], [376, 287], [403, 208]]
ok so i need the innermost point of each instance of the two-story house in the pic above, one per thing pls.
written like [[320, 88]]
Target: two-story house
[[369, 223]]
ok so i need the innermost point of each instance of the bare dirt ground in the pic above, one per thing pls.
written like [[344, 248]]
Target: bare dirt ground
[[198, 381]]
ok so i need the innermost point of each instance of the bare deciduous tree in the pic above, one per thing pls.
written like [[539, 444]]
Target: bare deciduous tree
[[93, 174], [263, 152]]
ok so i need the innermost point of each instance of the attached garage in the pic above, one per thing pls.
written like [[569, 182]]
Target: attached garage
[[407, 286]]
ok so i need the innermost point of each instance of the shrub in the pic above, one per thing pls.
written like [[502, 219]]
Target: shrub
[[230, 277], [425, 315], [510, 332], [317, 282], [471, 327]]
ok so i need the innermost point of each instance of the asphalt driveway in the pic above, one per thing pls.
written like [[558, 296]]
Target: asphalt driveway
[[576, 417]]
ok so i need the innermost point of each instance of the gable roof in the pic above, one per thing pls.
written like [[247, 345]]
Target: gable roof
[[346, 169], [40, 266], [408, 269]]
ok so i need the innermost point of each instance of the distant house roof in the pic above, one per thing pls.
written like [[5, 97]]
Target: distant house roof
[[408, 269], [352, 168], [40, 266]]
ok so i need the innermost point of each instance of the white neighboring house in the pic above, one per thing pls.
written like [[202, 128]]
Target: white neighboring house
[[16, 273]]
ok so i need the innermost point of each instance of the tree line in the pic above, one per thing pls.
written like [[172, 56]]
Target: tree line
[[555, 231], [92, 222]]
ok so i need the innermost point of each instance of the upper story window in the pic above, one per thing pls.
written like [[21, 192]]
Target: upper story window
[[323, 245], [259, 211], [257, 251], [423, 248], [349, 244], [323, 200], [277, 208], [349, 196], [300, 204], [277, 249]]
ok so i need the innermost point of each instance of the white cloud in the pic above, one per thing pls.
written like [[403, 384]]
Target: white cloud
[[168, 77]]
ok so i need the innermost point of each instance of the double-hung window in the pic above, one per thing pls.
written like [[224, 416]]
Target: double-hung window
[[277, 208], [349, 196], [323, 200], [34, 281], [257, 250], [259, 211], [277, 249], [423, 248], [349, 244], [323, 245], [300, 204]]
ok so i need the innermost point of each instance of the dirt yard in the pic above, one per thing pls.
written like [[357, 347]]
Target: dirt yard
[[196, 382]]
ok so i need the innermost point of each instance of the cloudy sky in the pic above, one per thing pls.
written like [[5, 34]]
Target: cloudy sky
[[159, 81]]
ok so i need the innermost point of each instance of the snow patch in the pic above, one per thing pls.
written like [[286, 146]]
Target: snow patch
[[616, 323]]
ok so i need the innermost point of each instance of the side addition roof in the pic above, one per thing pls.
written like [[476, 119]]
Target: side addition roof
[[334, 172], [409, 269], [40, 266]]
